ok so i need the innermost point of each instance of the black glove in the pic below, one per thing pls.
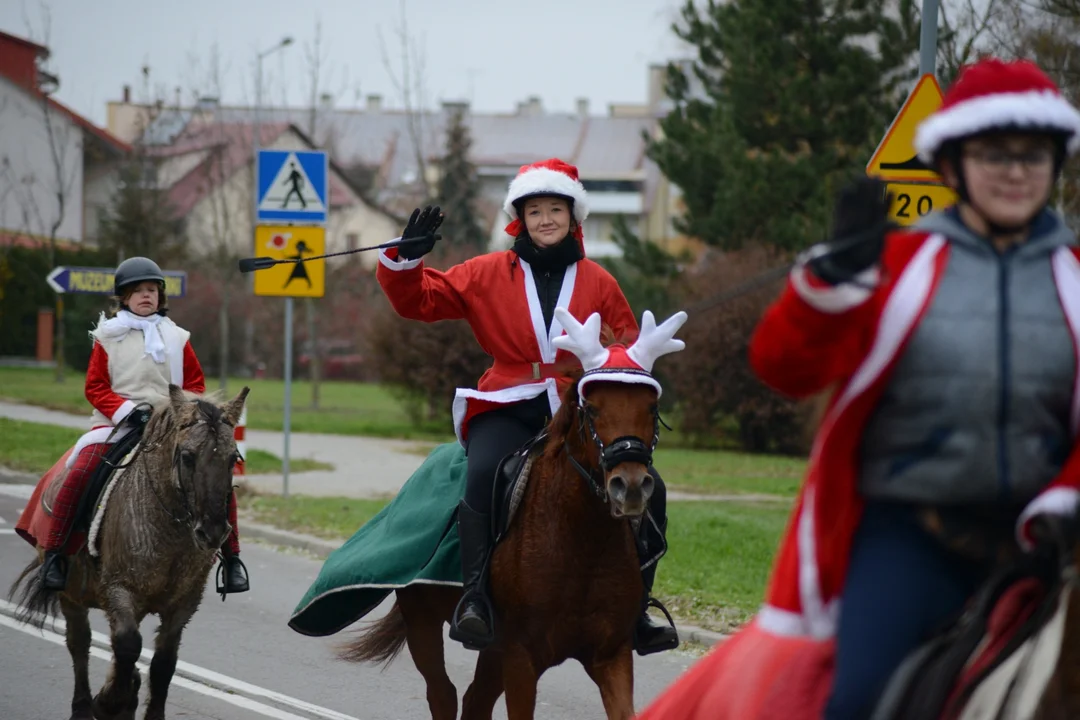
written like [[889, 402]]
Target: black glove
[[860, 222], [139, 416], [418, 238]]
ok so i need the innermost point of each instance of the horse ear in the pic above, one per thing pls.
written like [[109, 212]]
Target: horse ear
[[234, 407], [176, 394]]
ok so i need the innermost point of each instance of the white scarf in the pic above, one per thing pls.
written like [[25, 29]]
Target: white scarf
[[124, 322]]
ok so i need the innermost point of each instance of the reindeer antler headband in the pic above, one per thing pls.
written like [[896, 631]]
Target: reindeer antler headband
[[616, 363]]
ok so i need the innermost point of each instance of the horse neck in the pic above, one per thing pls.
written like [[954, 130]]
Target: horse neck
[[148, 502]]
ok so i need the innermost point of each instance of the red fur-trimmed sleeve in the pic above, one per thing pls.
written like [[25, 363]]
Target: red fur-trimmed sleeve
[[194, 381], [99, 390], [799, 349], [419, 293]]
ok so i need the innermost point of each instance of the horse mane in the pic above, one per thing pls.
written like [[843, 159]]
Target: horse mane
[[165, 420]]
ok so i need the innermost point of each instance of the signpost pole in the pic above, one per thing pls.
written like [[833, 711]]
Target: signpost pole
[[928, 38], [288, 395]]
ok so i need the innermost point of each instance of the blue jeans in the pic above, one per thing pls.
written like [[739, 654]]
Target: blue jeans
[[901, 586]]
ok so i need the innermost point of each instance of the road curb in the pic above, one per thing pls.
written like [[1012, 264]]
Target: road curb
[[17, 477], [322, 549]]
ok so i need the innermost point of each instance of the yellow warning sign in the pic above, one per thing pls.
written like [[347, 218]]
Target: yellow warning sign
[[911, 201], [895, 158], [291, 279]]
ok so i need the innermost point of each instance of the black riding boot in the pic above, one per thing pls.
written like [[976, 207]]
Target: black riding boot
[[54, 570], [472, 623], [649, 636], [232, 575]]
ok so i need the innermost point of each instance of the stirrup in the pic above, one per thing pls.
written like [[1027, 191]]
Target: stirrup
[[456, 633], [640, 647], [221, 579]]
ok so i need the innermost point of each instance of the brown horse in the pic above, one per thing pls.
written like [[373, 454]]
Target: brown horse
[[160, 530], [565, 580]]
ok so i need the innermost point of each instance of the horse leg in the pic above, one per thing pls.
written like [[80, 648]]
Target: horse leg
[[119, 698], [519, 680], [78, 644], [486, 687], [615, 678], [166, 650], [424, 637]]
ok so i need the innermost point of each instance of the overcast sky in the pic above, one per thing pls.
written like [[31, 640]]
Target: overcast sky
[[492, 52]]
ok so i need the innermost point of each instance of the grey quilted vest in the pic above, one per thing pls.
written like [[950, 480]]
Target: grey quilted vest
[[977, 408]]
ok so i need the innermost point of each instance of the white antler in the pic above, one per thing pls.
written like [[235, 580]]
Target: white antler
[[655, 341], [582, 340]]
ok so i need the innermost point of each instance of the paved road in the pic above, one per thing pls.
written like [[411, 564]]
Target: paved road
[[241, 662]]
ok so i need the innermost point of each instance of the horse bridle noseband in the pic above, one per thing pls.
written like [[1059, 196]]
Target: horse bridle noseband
[[626, 448]]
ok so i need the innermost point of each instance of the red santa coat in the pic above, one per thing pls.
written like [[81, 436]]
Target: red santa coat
[[496, 294], [850, 337]]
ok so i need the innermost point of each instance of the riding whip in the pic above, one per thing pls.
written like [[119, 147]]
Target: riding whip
[[263, 263]]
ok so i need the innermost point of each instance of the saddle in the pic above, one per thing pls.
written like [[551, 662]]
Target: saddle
[[88, 503], [942, 676], [511, 480]]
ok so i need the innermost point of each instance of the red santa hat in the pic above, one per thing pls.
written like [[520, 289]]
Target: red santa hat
[[995, 95], [548, 177], [618, 363]]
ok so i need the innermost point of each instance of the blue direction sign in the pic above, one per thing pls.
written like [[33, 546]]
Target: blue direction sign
[[99, 281], [292, 186]]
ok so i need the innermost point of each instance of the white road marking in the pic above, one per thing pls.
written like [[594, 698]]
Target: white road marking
[[3, 521], [184, 671], [17, 491], [7, 531]]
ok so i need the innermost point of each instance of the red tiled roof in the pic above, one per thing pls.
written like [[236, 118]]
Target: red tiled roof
[[233, 143]]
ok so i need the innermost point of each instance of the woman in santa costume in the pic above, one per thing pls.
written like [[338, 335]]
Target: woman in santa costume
[[509, 300], [137, 353], [952, 353]]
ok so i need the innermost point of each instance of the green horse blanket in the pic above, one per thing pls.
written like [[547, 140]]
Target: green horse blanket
[[412, 540]]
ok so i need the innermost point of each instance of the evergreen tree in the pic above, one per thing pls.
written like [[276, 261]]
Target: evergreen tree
[[139, 219], [784, 102], [645, 271], [458, 191]]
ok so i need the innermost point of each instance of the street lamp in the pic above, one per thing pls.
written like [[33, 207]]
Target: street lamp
[[283, 43]]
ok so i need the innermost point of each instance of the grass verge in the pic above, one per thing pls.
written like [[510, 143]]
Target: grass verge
[[714, 575], [34, 447]]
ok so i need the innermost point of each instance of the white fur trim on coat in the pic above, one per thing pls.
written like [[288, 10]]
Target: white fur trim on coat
[[397, 265], [122, 412], [1052, 501], [506, 396], [832, 300], [1041, 109], [543, 180]]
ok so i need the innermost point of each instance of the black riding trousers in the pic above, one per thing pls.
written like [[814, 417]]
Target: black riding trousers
[[495, 434]]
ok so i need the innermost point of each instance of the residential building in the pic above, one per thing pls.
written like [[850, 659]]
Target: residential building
[[402, 150], [57, 169]]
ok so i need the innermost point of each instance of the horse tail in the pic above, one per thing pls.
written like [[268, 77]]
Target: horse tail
[[380, 642], [35, 603]]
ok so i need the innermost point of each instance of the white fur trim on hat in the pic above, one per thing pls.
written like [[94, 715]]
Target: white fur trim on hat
[[1040, 109], [538, 181], [618, 375]]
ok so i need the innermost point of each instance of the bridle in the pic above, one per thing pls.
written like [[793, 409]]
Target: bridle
[[177, 477], [625, 448]]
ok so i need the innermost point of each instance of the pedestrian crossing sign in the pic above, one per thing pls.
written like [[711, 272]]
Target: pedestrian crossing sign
[[292, 186], [304, 278]]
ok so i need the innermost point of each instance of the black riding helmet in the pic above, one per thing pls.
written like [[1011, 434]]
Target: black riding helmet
[[136, 270], [519, 204]]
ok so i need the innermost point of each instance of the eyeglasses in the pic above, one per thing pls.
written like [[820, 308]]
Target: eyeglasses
[[1000, 161]]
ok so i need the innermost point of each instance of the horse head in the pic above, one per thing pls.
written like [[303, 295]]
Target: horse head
[[616, 403], [198, 452]]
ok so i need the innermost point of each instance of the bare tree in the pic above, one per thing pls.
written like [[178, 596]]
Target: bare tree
[[42, 186], [409, 81], [315, 60]]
